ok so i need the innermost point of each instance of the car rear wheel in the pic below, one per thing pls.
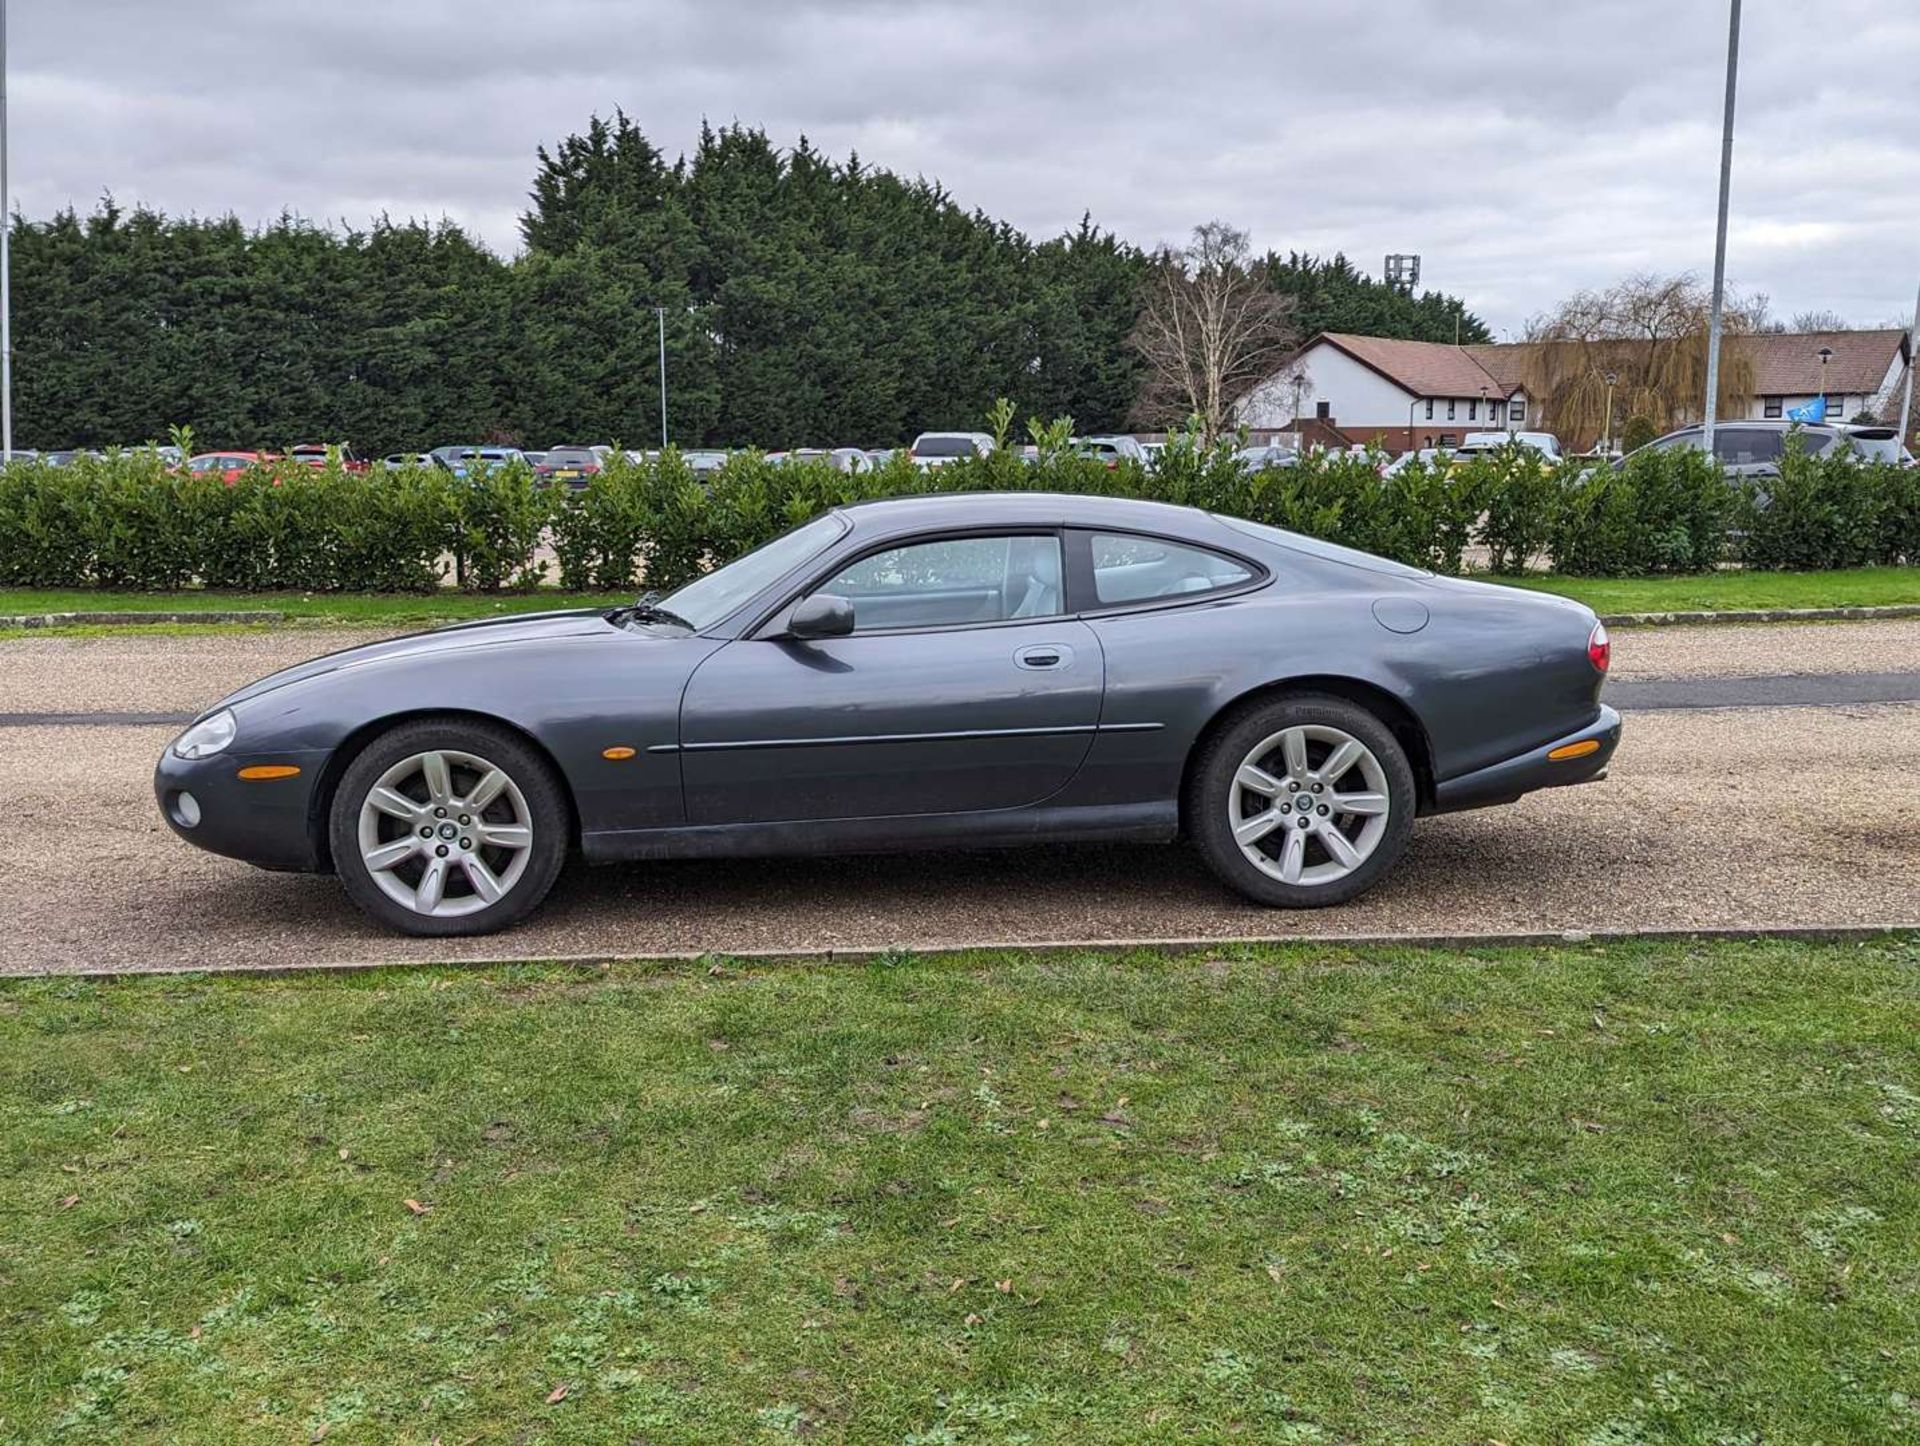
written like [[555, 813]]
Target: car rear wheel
[[448, 827], [1302, 801]]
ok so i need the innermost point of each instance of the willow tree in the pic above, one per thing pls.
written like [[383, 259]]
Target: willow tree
[[1650, 333]]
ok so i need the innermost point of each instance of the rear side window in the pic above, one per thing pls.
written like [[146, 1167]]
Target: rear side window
[[1130, 569], [1745, 446]]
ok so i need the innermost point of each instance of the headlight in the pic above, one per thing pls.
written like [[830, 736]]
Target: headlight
[[207, 737]]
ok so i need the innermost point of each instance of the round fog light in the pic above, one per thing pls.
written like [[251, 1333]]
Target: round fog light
[[186, 809]]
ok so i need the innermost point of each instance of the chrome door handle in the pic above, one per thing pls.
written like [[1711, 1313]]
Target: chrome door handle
[[1044, 657]]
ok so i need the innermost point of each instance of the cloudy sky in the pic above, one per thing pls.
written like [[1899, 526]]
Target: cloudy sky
[[1524, 149]]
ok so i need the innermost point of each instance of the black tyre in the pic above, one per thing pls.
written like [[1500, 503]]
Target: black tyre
[[446, 826], [1302, 801]]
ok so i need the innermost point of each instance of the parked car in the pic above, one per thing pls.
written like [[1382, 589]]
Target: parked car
[[1255, 459], [1754, 448], [704, 462], [230, 465], [926, 671], [25, 454], [462, 460], [936, 449], [1545, 443], [1153, 451], [68, 458], [1110, 450], [880, 456], [1427, 456], [314, 454], [409, 459], [575, 466], [534, 459]]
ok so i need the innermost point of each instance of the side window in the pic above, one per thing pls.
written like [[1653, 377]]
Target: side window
[[1745, 446], [1138, 569], [957, 580]]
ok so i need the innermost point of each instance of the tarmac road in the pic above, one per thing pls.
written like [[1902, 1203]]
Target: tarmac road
[[1733, 813]]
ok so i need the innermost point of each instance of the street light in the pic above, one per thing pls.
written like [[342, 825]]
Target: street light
[[1826, 355], [1412, 402], [1483, 405], [6, 278], [1720, 233], [1607, 439], [659, 315]]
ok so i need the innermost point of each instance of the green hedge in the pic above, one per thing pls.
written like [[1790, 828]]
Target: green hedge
[[129, 522]]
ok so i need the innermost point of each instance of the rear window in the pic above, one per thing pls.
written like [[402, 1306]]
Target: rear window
[[1314, 547], [944, 447], [572, 457]]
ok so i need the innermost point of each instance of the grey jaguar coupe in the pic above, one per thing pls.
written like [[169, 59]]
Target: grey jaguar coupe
[[953, 671]]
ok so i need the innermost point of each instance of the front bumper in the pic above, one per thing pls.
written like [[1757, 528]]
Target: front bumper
[[1505, 781], [269, 823]]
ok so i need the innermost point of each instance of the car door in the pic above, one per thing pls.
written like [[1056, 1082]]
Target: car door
[[963, 688]]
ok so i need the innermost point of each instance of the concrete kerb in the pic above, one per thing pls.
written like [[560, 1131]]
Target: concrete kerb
[[1761, 615], [1811, 934]]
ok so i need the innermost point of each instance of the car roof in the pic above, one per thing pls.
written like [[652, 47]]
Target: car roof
[[917, 511]]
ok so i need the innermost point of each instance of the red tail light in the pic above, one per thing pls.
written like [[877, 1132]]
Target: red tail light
[[1599, 648]]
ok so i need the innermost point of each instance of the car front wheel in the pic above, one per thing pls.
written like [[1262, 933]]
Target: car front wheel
[[1302, 801], [448, 827]]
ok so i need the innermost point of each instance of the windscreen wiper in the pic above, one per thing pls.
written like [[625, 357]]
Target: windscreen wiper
[[647, 611]]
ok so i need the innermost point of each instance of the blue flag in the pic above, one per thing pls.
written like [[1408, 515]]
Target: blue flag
[[1813, 411]]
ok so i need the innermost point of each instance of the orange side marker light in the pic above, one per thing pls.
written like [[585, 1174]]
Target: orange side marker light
[[1575, 750]]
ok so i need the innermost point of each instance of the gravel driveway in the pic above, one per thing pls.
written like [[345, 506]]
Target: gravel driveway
[[1739, 818]]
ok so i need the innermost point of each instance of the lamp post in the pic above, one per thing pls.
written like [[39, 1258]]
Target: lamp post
[[1826, 355], [660, 315], [1483, 405], [1607, 437], [1412, 402], [6, 277], [1720, 234]]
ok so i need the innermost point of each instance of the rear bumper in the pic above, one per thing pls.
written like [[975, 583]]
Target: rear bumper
[[1507, 780]]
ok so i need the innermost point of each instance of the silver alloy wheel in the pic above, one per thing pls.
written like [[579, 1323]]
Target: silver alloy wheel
[[1309, 804], [445, 833]]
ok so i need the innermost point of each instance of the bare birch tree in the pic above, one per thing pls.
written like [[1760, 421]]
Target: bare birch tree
[[1211, 329]]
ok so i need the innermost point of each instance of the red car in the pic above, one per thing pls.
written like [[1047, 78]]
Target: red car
[[229, 464], [314, 454]]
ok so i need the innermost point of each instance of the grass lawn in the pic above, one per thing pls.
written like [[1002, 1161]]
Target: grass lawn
[[372, 609], [1608, 1194], [1732, 591]]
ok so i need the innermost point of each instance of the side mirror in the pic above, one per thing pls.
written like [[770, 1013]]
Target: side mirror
[[823, 615]]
